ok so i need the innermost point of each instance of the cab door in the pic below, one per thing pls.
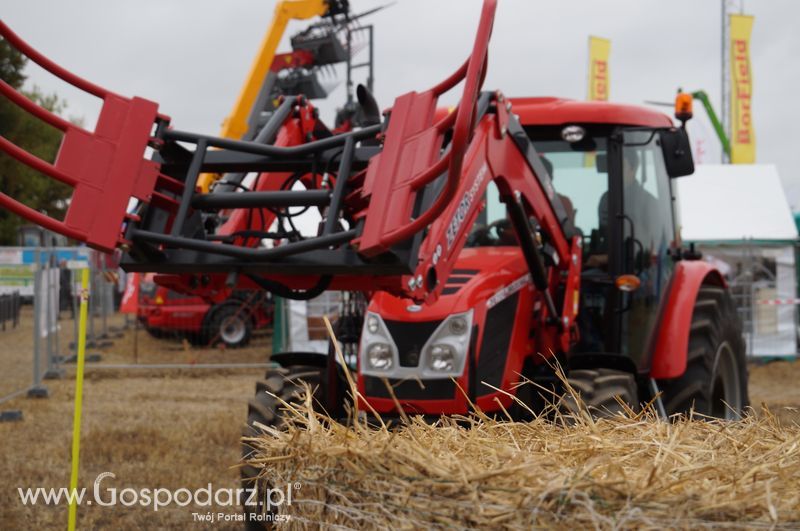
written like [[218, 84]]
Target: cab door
[[647, 232]]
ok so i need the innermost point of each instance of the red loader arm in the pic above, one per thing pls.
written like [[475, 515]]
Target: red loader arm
[[396, 199]]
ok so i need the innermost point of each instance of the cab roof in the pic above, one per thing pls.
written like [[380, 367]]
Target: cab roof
[[558, 111]]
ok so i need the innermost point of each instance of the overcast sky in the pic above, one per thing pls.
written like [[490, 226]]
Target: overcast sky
[[192, 56]]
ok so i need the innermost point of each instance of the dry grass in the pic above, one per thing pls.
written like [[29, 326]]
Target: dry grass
[[168, 429]]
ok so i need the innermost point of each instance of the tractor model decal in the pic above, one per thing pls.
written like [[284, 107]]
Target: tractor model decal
[[506, 291], [463, 206]]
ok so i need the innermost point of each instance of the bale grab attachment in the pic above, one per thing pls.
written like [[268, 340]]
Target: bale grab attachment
[[396, 198]]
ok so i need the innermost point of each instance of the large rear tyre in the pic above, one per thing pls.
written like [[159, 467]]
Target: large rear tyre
[[715, 381], [265, 409], [601, 391]]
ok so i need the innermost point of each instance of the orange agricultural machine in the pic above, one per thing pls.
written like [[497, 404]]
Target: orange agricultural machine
[[489, 241]]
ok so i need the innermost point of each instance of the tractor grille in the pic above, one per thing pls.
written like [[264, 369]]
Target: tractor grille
[[410, 338], [457, 278], [496, 340], [433, 389]]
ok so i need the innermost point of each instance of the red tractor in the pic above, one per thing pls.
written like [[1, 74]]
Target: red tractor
[[491, 241], [167, 313]]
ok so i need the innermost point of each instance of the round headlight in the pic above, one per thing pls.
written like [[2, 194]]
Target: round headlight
[[443, 358], [372, 324], [379, 356], [458, 325]]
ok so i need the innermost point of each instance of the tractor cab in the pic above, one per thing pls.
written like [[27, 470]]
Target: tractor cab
[[610, 166]]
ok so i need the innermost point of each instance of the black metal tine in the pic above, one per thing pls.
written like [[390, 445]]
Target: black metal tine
[[280, 198], [339, 186], [244, 146], [266, 135], [188, 186], [246, 253]]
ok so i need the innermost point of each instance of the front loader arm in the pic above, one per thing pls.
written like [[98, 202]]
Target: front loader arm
[[396, 199]]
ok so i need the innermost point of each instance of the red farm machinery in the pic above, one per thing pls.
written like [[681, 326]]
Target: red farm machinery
[[489, 242]]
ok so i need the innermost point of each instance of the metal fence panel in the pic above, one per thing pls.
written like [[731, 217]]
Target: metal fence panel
[[763, 285]]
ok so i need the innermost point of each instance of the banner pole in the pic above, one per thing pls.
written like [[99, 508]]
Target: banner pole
[[76, 421]]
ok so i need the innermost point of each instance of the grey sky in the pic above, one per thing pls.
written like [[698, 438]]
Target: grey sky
[[192, 56]]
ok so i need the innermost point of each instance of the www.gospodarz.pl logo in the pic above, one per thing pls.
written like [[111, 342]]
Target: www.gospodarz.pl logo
[[266, 501]]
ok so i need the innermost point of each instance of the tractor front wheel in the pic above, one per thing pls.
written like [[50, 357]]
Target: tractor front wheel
[[601, 391], [266, 408]]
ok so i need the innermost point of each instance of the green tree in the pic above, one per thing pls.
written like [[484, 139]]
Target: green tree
[[17, 180]]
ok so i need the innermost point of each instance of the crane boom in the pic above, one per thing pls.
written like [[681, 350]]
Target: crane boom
[[235, 125], [712, 115]]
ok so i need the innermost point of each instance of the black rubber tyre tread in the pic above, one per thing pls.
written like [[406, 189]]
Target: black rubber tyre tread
[[287, 384], [197, 339], [714, 321], [598, 390]]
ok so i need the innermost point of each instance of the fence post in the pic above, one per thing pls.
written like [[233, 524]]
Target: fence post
[[37, 390], [104, 302], [9, 312], [17, 307], [75, 309], [53, 370]]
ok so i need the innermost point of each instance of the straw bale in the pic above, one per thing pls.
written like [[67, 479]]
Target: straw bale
[[628, 471]]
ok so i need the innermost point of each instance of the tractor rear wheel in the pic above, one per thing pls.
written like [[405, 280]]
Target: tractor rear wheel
[[230, 324], [601, 391], [715, 381], [287, 385]]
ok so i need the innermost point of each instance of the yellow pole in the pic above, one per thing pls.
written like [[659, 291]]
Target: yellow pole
[[76, 420]]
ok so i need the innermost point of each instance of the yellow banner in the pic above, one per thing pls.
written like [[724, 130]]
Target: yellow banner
[[743, 136], [599, 50]]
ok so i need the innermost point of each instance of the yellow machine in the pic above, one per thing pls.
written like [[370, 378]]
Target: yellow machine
[[235, 125]]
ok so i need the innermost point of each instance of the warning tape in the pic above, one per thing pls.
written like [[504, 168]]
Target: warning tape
[[779, 302]]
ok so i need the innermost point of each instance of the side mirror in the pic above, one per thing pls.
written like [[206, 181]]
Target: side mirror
[[677, 152]]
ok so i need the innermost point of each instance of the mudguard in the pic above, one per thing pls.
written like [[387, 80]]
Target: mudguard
[[672, 337]]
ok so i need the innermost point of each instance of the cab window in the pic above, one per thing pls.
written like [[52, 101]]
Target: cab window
[[492, 227]]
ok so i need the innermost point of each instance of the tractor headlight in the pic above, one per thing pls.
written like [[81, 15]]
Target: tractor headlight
[[378, 351], [372, 324], [445, 353], [458, 325], [442, 358], [379, 356]]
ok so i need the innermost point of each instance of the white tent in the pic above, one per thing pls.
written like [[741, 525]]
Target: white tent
[[738, 216]]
